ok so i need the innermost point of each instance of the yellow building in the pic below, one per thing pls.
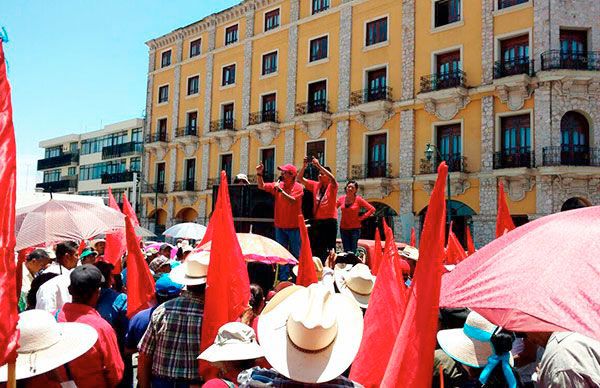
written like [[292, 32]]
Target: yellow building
[[503, 90]]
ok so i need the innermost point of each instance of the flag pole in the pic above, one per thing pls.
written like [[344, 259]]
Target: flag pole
[[12, 374]]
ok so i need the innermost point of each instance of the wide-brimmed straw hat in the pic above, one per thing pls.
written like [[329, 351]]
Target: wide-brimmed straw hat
[[234, 341], [45, 344], [193, 270], [318, 267], [310, 334], [470, 345], [410, 253], [357, 282]]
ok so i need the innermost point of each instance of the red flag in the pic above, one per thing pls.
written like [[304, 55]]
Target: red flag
[[9, 335], [382, 322], [504, 222], [390, 247], [21, 257], [227, 284], [455, 253], [378, 253], [411, 362], [307, 274], [140, 283], [115, 241], [413, 237], [82, 246], [470, 245], [129, 212]]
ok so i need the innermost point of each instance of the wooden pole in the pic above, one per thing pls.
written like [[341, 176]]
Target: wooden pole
[[12, 380]]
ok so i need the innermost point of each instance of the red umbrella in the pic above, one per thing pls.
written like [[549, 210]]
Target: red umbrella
[[542, 276]]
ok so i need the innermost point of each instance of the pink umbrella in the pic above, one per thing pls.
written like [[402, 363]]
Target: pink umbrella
[[261, 249], [542, 276]]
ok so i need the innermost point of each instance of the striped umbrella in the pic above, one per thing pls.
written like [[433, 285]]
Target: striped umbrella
[[261, 249]]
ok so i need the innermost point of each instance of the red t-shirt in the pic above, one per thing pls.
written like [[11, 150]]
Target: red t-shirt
[[326, 207], [286, 212], [101, 366], [350, 217]]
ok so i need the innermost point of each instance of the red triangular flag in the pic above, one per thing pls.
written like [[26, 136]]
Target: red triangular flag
[[413, 237], [504, 222], [115, 241], [82, 246], [390, 247], [411, 362], [377, 253], [140, 283], [307, 274], [470, 245], [382, 322], [227, 284], [129, 212], [9, 334], [21, 257], [455, 253]]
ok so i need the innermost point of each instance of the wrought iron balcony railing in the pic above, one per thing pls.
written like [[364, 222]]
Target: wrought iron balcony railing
[[372, 170], [370, 94], [265, 116], [312, 107], [571, 155], [513, 67], [117, 177], [186, 186], [509, 3], [186, 131], [557, 59], [222, 125], [120, 150], [159, 187], [514, 158], [156, 137], [59, 186], [64, 159], [433, 82], [455, 162]]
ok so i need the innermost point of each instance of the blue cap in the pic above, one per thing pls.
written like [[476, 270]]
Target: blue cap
[[166, 287]]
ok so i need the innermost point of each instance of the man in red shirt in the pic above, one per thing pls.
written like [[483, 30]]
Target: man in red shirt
[[323, 231], [288, 205], [102, 365]]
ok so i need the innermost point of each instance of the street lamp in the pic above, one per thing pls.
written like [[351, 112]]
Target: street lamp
[[429, 150]]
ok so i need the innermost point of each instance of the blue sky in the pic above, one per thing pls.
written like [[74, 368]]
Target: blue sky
[[75, 66]]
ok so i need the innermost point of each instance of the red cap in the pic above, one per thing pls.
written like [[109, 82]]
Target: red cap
[[404, 265], [288, 168]]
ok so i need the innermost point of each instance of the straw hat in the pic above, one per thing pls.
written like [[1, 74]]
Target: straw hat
[[358, 283], [410, 253], [470, 345], [318, 267], [310, 334], [234, 341], [193, 270], [45, 344]]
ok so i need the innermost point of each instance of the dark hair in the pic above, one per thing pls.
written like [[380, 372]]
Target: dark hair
[[502, 342], [38, 254], [352, 182], [257, 296], [106, 269], [65, 248], [347, 258], [36, 283], [327, 168]]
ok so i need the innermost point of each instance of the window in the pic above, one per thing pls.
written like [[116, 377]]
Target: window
[[314, 149], [227, 116], [377, 85], [195, 47], [162, 129], [448, 70], [267, 157], [190, 174], [231, 34], [165, 59], [269, 63], [573, 41], [272, 19], [575, 137], [376, 32], [509, 3], [95, 171], [269, 108], [228, 75], [319, 6], [135, 164], [514, 49], [192, 85], [96, 144], [160, 177], [376, 156], [73, 147], [226, 165], [71, 171], [318, 49], [449, 145], [516, 141], [52, 176], [163, 94], [52, 152], [446, 12], [317, 97], [136, 135], [191, 123]]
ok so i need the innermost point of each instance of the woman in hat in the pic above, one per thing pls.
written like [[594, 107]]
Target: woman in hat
[[350, 224]]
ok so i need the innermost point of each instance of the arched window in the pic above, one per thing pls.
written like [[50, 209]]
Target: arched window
[[574, 131]]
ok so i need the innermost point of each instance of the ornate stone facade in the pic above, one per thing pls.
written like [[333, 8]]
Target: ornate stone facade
[[342, 150], [292, 60], [244, 147], [408, 49], [487, 41], [344, 58], [288, 148], [488, 133], [208, 91], [407, 141]]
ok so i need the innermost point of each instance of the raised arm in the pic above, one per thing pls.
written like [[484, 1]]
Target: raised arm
[[259, 176], [300, 177], [324, 171]]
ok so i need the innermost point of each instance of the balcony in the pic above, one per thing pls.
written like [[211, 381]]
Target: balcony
[[69, 184], [434, 82], [556, 59], [265, 124], [514, 158], [374, 178], [120, 150], [509, 3], [186, 186], [313, 117], [186, 131], [365, 96], [372, 170], [571, 156], [456, 163], [315, 106], [222, 125], [373, 106], [513, 67], [157, 137], [62, 160], [444, 95], [118, 177], [267, 116], [159, 188]]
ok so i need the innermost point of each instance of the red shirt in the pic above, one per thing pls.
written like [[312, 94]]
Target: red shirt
[[101, 366], [350, 217], [286, 212], [326, 207]]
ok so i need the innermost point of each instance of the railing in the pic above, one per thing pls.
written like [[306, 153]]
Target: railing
[[514, 158], [433, 82], [117, 177], [154, 188], [210, 182], [370, 94], [312, 107], [222, 125], [513, 67], [557, 59], [266, 116], [156, 137], [509, 3], [186, 131], [371, 170], [64, 159], [571, 155], [120, 150], [185, 186], [59, 186], [456, 163]]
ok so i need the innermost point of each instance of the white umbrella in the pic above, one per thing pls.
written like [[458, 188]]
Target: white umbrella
[[140, 231], [187, 230]]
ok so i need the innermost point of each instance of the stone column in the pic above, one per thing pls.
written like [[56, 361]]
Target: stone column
[[292, 60], [209, 77], [148, 116], [288, 148], [246, 83], [542, 120], [176, 86], [202, 212], [345, 58], [170, 212], [342, 150], [544, 195], [244, 149], [541, 31], [487, 41], [205, 165], [408, 49], [484, 223], [406, 173], [488, 134], [172, 166]]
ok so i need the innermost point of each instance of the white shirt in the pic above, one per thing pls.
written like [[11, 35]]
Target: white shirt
[[53, 294]]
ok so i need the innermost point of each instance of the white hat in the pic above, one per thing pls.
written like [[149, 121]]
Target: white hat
[[318, 267], [357, 282], [242, 177], [45, 344], [312, 335], [193, 270], [410, 253], [234, 341]]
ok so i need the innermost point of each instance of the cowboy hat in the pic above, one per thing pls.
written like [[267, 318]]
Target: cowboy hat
[[310, 335], [318, 267], [358, 283], [234, 341], [45, 344], [193, 270], [410, 253]]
